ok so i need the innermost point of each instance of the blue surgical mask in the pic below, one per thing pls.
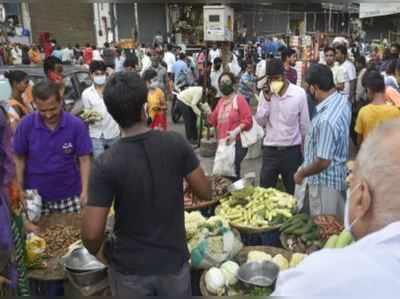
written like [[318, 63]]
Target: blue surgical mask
[[100, 79], [347, 224]]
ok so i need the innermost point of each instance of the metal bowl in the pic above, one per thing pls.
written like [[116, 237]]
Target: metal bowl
[[81, 260], [247, 181], [261, 274], [87, 278]]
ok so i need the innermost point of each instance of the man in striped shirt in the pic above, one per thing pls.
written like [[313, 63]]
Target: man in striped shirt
[[326, 145]]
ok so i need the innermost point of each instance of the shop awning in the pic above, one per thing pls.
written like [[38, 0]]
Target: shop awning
[[368, 10]]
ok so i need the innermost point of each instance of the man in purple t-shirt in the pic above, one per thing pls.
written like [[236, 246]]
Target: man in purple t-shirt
[[47, 146]]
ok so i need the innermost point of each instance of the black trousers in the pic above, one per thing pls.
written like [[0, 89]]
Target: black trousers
[[282, 161], [190, 119], [240, 154]]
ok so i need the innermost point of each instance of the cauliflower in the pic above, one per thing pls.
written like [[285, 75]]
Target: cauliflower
[[258, 256]]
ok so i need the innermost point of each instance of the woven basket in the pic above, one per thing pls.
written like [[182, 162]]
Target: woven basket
[[241, 258], [202, 205]]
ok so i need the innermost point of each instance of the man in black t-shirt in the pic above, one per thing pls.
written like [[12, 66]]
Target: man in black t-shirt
[[142, 175]]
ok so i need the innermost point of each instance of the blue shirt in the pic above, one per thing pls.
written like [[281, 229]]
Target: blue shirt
[[179, 66], [57, 53], [51, 165], [328, 139]]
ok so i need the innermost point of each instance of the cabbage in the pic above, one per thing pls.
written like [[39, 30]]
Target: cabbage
[[215, 282], [296, 259], [229, 270], [281, 262]]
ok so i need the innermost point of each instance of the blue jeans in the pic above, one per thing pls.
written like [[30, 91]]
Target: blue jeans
[[101, 144]]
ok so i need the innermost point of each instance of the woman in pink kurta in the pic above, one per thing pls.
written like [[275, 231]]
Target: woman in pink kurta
[[231, 116]]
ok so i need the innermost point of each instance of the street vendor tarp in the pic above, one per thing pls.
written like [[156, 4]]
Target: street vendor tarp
[[368, 10]]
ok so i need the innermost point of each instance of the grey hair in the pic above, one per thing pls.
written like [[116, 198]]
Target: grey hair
[[378, 163]]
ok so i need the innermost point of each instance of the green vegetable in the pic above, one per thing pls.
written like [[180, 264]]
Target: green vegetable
[[345, 239], [304, 229], [331, 243], [258, 292], [311, 236]]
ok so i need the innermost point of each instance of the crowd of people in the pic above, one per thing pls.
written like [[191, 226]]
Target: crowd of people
[[129, 159]]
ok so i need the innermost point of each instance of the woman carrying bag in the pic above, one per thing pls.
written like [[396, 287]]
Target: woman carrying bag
[[231, 116]]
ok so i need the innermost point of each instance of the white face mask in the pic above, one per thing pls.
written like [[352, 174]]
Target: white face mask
[[99, 79], [347, 224]]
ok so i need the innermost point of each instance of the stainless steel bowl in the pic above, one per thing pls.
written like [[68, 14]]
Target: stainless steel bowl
[[87, 278], [240, 187], [81, 260], [261, 274]]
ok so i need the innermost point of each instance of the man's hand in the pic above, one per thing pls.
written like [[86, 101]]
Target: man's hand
[[206, 108], [299, 177], [233, 134], [83, 198], [31, 228]]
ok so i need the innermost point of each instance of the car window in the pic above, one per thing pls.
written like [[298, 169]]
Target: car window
[[35, 79], [84, 81], [69, 91]]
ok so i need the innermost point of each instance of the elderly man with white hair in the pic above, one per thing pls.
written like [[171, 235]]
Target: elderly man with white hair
[[371, 265]]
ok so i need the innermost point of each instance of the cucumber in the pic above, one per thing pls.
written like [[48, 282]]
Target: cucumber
[[331, 243], [345, 239], [304, 230], [311, 236]]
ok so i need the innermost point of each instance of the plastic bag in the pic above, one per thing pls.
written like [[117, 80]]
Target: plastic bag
[[252, 136], [224, 163], [203, 257], [33, 205], [300, 194]]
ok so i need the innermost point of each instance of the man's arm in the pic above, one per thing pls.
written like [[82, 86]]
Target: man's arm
[[200, 184], [352, 90], [20, 170], [93, 228], [314, 168], [84, 163]]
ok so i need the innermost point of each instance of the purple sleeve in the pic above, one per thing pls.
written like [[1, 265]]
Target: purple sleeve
[[83, 141], [21, 139]]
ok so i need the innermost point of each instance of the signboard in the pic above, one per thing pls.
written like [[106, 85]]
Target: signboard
[[368, 10], [218, 23]]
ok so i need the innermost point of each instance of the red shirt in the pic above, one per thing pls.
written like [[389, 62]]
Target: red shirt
[[48, 49], [87, 55], [226, 118]]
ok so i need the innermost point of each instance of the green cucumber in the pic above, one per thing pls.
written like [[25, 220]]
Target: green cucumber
[[303, 230], [345, 239], [331, 243]]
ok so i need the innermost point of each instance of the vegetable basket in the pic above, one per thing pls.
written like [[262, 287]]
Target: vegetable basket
[[241, 258]]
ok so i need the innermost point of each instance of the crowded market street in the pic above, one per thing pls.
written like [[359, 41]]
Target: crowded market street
[[162, 148]]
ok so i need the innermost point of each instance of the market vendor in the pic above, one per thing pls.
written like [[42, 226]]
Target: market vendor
[[47, 144], [369, 267], [142, 175]]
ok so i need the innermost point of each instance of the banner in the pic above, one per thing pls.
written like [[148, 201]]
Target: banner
[[368, 10]]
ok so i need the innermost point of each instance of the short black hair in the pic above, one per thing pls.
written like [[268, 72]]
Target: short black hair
[[149, 74], [321, 76], [182, 56], [97, 65], [124, 95], [275, 67], [217, 60], [45, 89], [169, 47], [286, 53], [374, 81], [229, 74], [131, 61], [16, 76], [342, 49], [328, 49], [106, 45], [50, 63]]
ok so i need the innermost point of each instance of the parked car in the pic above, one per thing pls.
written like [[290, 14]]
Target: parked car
[[76, 80]]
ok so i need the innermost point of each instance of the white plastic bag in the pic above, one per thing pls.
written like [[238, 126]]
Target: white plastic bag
[[224, 163], [253, 135], [33, 205], [300, 194]]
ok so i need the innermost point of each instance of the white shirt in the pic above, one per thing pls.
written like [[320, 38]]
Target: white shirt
[[97, 55], [16, 54], [214, 77], [119, 63], [169, 59], [350, 75], [107, 127], [339, 74], [260, 72], [369, 267], [191, 97], [146, 64], [67, 54], [212, 54]]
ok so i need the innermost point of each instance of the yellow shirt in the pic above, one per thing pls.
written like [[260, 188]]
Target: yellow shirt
[[155, 102], [371, 116]]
